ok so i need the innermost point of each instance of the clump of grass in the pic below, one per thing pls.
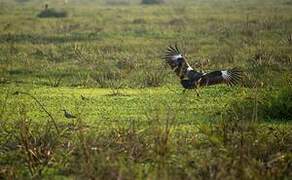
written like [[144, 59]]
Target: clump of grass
[[52, 13], [249, 108], [263, 105], [118, 2], [33, 143], [110, 78], [139, 21], [264, 65], [288, 39], [153, 1], [280, 105], [55, 81], [238, 148], [106, 77], [149, 75], [177, 22], [22, 1]]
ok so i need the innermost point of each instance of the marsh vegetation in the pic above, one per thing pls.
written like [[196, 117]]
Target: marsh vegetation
[[102, 62]]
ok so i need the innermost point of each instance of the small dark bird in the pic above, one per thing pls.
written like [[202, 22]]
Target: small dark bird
[[83, 97], [192, 79], [68, 115]]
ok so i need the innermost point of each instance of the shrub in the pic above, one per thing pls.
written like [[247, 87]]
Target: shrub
[[21, 1], [280, 106], [149, 75], [153, 78], [152, 2], [117, 2], [264, 65], [52, 13], [272, 105], [248, 109], [139, 21], [105, 79]]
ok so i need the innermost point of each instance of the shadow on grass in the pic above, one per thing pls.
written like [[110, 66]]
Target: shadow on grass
[[46, 39]]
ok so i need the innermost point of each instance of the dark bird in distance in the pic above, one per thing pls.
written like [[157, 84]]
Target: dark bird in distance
[[192, 79], [68, 114], [83, 98]]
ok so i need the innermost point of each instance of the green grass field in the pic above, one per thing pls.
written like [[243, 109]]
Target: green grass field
[[102, 62]]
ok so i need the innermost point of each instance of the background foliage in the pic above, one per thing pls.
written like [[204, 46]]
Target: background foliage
[[102, 61]]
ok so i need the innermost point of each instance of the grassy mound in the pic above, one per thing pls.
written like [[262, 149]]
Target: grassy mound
[[152, 2], [52, 13], [280, 105]]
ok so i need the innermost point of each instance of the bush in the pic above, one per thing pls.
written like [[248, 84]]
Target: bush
[[149, 75], [152, 2], [280, 106], [48, 13], [117, 2], [21, 1], [272, 106], [249, 108]]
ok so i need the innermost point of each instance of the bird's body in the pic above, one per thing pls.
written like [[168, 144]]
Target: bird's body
[[191, 82], [68, 114], [83, 97], [191, 79]]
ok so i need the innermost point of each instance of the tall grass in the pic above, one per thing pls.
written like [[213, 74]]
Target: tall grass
[[104, 63]]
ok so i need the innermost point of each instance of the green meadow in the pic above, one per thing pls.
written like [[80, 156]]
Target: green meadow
[[101, 60]]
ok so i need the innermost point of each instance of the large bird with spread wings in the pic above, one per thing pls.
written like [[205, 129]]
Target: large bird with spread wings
[[191, 79]]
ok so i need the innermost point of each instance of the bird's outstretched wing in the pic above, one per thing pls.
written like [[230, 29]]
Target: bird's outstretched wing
[[229, 77], [176, 60]]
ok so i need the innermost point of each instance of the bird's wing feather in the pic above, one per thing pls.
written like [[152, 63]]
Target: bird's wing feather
[[178, 63], [229, 77]]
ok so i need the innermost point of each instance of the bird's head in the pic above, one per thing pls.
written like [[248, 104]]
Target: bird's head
[[179, 61], [176, 60]]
